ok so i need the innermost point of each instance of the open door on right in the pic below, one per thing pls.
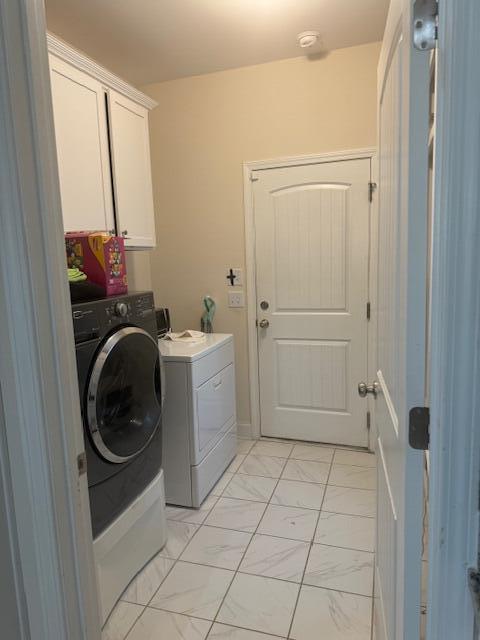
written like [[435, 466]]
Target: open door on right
[[403, 99]]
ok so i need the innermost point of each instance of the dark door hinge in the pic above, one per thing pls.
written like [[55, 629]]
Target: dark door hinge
[[369, 420], [369, 310], [474, 586], [82, 463], [419, 428], [371, 188]]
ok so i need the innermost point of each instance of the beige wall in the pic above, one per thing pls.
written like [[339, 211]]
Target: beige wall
[[138, 270], [204, 128]]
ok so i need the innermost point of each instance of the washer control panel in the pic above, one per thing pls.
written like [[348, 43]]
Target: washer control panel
[[94, 319]]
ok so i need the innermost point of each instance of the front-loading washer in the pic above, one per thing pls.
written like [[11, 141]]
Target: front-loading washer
[[121, 387]]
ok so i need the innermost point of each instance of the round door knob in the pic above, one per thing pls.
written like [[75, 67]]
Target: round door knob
[[121, 309], [364, 389], [264, 324]]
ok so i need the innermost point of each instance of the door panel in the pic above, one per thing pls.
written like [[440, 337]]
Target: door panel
[[312, 226], [312, 374], [403, 83], [310, 252]]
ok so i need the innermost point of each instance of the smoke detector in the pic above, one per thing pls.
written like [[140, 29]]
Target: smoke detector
[[308, 39]]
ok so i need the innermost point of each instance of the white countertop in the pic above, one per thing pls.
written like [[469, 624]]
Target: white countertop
[[189, 352]]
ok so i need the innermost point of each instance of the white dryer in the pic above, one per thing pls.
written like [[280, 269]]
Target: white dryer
[[199, 422]]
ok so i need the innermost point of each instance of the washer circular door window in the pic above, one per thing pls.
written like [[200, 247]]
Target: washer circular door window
[[124, 396]]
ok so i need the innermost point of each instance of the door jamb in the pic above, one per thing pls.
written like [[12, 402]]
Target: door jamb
[[41, 433], [455, 321], [249, 169]]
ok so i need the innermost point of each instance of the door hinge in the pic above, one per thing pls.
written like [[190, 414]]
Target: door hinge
[[474, 587], [369, 311], [425, 24], [371, 188], [369, 420], [82, 463], [419, 428], [253, 177]]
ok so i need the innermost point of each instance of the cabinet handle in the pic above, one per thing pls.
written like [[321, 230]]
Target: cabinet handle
[[217, 384]]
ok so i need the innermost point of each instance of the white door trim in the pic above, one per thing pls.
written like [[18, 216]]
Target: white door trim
[[249, 169], [40, 425], [455, 322]]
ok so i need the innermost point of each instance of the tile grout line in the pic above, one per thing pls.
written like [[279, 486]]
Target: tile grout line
[[196, 617], [244, 554], [277, 537], [337, 513], [317, 484], [310, 549], [246, 573], [267, 504], [203, 524], [135, 621], [326, 484], [175, 561], [147, 606]]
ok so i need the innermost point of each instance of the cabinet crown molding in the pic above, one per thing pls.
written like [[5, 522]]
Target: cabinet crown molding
[[64, 51]]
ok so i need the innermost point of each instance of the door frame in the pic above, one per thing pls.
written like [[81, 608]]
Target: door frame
[[44, 496], [253, 429]]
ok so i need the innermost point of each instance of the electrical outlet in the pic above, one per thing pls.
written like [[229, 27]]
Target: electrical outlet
[[236, 299]]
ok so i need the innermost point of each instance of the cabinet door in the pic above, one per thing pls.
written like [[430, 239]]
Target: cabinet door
[[79, 109], [132, 175]]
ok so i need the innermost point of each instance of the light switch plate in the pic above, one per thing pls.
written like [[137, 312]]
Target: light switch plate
[[236, 299], [238, 273]]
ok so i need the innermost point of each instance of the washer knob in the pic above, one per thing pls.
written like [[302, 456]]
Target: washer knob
[[121, 309]]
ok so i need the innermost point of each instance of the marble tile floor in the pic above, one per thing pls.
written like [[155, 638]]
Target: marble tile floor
[[281, 549]]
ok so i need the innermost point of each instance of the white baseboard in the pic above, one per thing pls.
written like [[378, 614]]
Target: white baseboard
[[244, 430]]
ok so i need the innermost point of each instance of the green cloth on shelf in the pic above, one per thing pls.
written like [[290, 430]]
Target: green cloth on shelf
[[75, 275]]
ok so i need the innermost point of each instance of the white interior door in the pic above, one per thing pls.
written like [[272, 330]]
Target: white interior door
[[403, 84], [312, 236]]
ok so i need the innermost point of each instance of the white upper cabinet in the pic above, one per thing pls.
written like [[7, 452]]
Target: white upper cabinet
[[81, 134], [132, 178], [103, 148]]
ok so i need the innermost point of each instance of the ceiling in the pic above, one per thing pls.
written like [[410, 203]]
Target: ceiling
[[148, 41]]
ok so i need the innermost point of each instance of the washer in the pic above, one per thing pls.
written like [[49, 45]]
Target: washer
[[121, 387], [200, 426]]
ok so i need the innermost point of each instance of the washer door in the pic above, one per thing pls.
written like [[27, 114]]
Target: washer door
[[124, 395]]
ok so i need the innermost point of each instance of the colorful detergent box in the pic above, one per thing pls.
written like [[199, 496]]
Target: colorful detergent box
[[101, 257]]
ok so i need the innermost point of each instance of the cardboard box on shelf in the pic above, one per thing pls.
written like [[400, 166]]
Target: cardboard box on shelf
[[101, 257]]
